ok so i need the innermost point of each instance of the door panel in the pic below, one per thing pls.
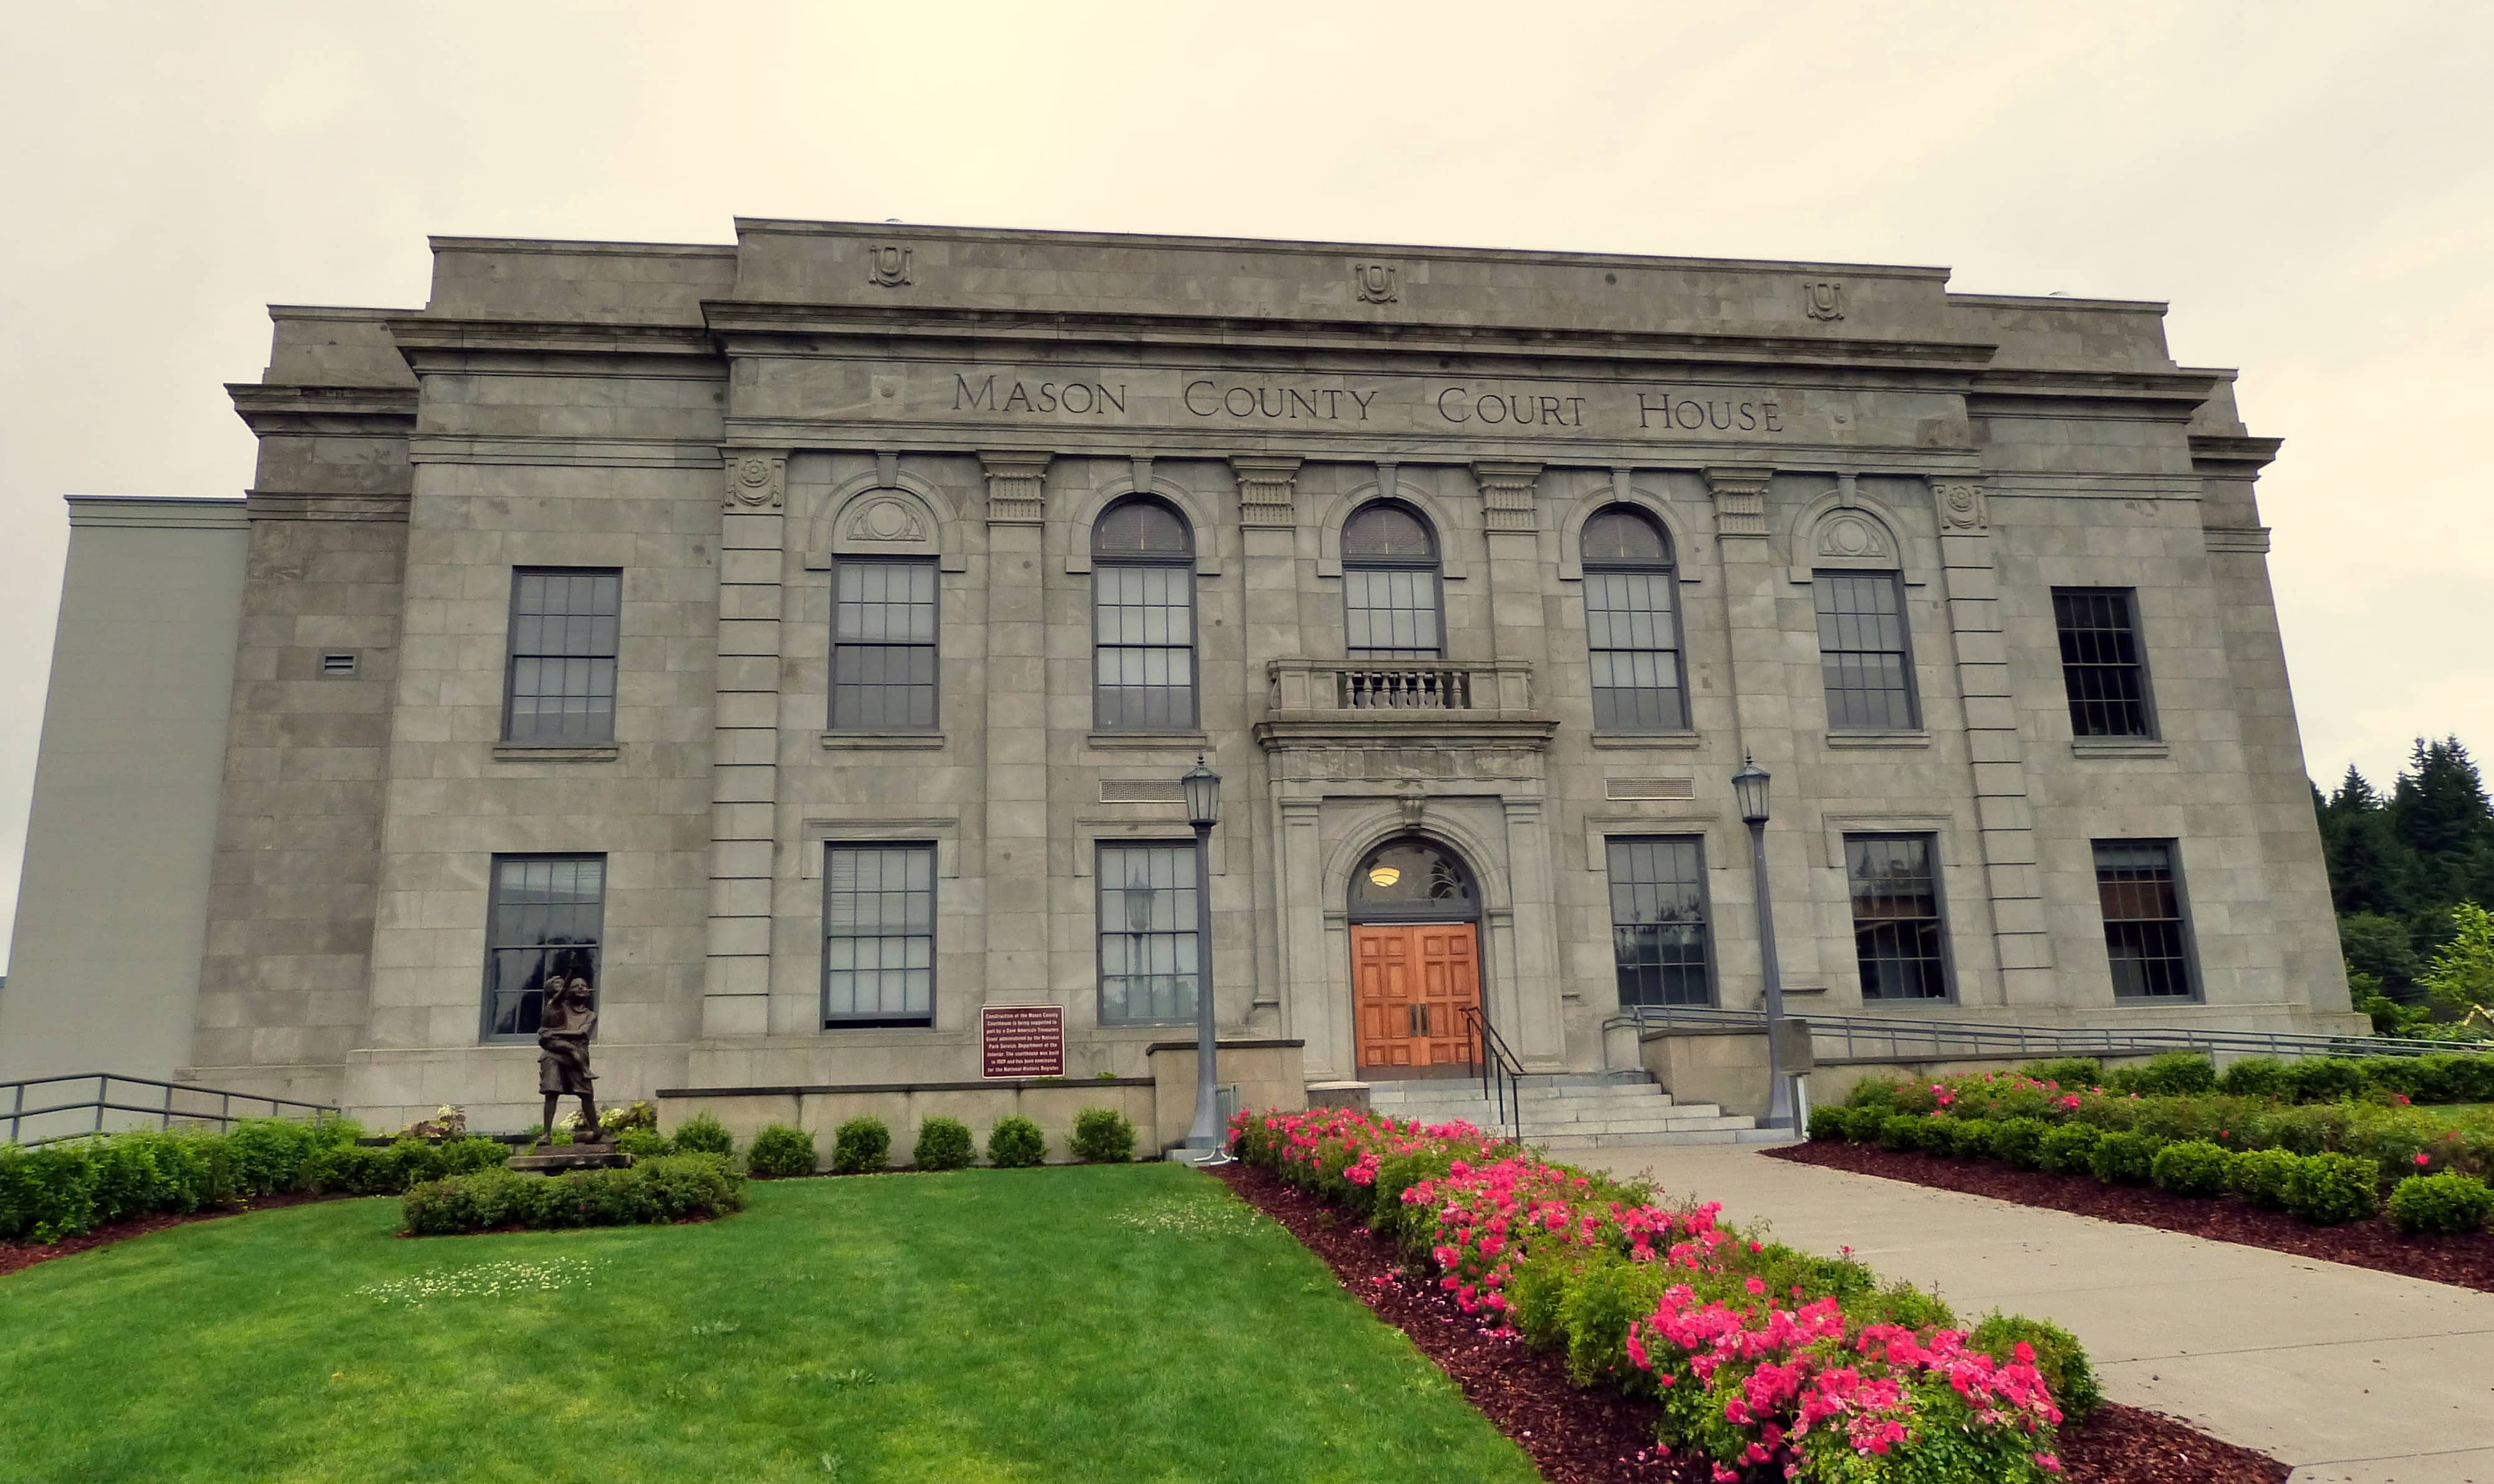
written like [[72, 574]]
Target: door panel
[[1410, 987]]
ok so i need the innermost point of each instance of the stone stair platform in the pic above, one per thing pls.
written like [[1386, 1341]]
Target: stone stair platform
[[1574, 1111]]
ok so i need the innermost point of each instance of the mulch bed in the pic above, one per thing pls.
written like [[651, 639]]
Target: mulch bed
[[2464, 1261], [14, 1256], [1598, 1436]]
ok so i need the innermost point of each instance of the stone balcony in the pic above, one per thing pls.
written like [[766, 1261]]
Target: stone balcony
[[1401, 703]]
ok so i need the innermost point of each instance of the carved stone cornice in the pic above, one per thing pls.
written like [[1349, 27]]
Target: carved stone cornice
[[1740, 494], [2232, 456], [301, 505], [1267, 489], [1017, 487], [1506, 494], [356, 410]]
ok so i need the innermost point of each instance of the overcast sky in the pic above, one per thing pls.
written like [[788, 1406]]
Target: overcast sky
[[2310, 185]]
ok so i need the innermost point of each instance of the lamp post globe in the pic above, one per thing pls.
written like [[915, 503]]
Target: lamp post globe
[[1749, 791], [1202, 787]]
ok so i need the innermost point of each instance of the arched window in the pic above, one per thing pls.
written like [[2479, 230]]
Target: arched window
[[1389, 585], [1412, 880], [1143, 605], [1633, 624]]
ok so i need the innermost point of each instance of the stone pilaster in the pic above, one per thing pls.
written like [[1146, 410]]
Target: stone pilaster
[[1015, 867], [1540, 1033], [1763, 685], [1269, 597], [2004, 815], [745, 755], [1518, 625]]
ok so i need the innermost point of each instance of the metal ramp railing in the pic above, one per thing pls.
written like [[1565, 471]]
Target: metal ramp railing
[[139, 1098], [1918, 1038]]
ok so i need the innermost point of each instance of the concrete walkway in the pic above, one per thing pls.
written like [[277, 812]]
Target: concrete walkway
[[2352, 1376]]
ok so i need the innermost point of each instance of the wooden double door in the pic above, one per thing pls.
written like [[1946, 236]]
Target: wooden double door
[[1410, 987]]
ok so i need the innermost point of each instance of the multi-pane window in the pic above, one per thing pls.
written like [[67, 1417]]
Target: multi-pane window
[[543, 918], [1631, 626], [2100, 662], [1143, 596], [2142, 920], [559, 686], [879, 935], [1897, 934], [883, 646], [1148, 954], [1658, 920], [1862, 652], [1389, 586]]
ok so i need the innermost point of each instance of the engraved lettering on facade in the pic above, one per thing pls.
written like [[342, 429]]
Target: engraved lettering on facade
[[1080, 398], [1522, 410], [1708, 413], [1206, 397]]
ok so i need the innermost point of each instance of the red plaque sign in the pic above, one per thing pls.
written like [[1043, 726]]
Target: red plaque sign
[[1023, 1040]]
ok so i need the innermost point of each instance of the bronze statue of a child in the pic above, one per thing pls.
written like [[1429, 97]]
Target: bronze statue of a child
[[564, 1019]]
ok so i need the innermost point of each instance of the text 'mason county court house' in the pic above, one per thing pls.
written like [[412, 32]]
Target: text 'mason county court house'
[[814, 630]]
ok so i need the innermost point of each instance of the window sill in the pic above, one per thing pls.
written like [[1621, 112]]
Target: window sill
[[879, 1025], [556, 752], [1878, 739], [2119, 747], [1686, 741], [1167, 741], [839, 742]]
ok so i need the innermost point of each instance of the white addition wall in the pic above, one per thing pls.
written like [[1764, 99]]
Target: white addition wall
[[104, 968]]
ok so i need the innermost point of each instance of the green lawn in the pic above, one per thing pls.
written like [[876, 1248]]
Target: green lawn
[[1100, 1324]]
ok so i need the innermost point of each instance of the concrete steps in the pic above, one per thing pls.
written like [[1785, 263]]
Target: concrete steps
[[1574, 1111]]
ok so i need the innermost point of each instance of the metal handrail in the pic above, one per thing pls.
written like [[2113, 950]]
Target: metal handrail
[[1502, 1072], [1944, 1038], [161, 1108]]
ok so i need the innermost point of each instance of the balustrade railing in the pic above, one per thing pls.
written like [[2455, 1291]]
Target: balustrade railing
[[1393, 686]]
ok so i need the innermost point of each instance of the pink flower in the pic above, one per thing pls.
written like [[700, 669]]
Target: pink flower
[[2424, 1158]]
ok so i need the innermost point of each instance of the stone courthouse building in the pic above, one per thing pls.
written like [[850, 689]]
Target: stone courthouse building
[[813, 631]]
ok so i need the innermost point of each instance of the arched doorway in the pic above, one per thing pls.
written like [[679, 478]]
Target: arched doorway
[[1414, 960]]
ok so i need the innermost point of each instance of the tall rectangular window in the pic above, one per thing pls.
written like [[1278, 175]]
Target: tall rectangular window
[[1634, 646], [1658, 920], [2100, 662], [883, 646], [879, 935], [1391, 612], [1862, 653], [544, 915], [560, 685], [1145, 659], [2144, 935], [1148, 954], [1899, 936]]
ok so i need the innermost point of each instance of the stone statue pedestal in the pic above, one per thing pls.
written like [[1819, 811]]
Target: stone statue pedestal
[[555, 1158]]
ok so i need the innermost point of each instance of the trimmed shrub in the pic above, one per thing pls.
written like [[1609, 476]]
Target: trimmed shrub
[[2254, 1076], [943, 1143], [2446, 1205], [2019, 1141], [860, 1146], [2193, 1167], [1830, 1122], [2168, 1074], [1901, 1303], [615, 1121], [780, 1152], [2052, 1350], [2323, 1079], [1103, 1135], [704, 1133], [2260, 1175], [1016, 1143], [644, 1143], [1964, 1138], [2123, 1159], [667, 1188], [1901, 1132], [2070, 1071], [2331, 1190], [2069, 1150], [2451, 1077]]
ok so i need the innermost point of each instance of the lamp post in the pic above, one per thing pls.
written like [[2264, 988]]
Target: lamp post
[[1202, 789], [1750, 790]]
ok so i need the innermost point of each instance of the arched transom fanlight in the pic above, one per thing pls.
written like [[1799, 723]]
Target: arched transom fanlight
[[1414, 879], [1388, 533], [1623, 536], [1141, 528]]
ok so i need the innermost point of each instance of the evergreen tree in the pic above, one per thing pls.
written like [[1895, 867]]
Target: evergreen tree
[[2438, 806], [2355, 796], [2370, 867]]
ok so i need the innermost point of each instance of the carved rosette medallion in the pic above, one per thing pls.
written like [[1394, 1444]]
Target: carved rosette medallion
[[886, 520], [1506, 495], [756, 481], [1961, 506], [1847, 536], [1377, 283], [1267, 491], [887, 265], [1823, 297]]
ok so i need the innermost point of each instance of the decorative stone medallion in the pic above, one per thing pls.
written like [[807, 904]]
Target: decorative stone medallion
[[756, 481], [887, 265], [1823, 297], [1852, 537], [1962, 506], [1378, 282], [886, 520]]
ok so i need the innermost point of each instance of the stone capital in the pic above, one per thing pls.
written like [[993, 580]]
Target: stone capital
[[1267, 489], [756, 480], [1740, 494], [1506, 494], [1959, 501], [1017, 487]]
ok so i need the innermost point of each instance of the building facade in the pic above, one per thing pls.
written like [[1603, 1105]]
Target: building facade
[[807, 636]]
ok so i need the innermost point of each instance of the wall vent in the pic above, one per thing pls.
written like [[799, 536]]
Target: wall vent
[[1622, 789], [1141, 791], [339, 664]]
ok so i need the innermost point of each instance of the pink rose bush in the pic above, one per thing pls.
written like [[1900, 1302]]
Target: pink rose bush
[[1773, 1363]]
